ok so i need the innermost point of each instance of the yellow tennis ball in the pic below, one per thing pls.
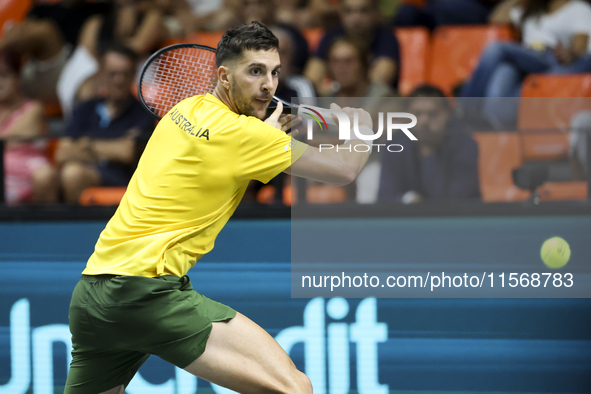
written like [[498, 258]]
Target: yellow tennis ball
[[555, 252]]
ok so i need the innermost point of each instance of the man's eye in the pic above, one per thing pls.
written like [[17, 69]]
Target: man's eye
[[275, 73], [256, 71]]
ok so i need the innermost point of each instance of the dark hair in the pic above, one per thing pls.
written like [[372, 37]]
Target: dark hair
[[250, 36], [11, 59], [115, 47], [427, 90], [363, 53]]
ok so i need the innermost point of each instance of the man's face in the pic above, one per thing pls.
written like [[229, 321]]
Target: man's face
[[358, 17], [119, 72], [344, 65], [253, 81], [432, 117]]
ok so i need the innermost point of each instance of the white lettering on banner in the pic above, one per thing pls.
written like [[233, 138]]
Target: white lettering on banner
[[345, 126], [339, 380], [312, 335], [20, 367], [320, 341], [43, 339], [366, 332]]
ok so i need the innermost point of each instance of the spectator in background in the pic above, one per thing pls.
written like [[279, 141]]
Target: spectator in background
[[194, 15], [306, 14], [290, 87], [133, 23], [46, 38], [264, 11], [360, 23], [441, 165], [103, 135], [433, 13], [555, 39], [290, 83], [348, 67], [28, 175]]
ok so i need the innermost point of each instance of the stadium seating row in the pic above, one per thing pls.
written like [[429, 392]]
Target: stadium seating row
[[445, 60]]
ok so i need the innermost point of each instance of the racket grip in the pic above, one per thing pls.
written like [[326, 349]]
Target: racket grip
[[325, 114]]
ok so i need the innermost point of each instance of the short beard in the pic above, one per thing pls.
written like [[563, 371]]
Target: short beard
[[243, 106]]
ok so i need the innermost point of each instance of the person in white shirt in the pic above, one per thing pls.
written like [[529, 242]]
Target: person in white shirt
[[555, 39]]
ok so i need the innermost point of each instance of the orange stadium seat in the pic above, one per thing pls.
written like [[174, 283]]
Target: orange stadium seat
[[414, 57], [316, 194], [499, 153], [548, 103], [51, 148], [102, 196], [544, 145], [456, 51], [325, 194], [560, 191], [313, 36], [12, 11], [209, 38], [540, 109]]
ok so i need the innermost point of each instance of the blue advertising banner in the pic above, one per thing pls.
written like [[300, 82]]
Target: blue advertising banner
[[364, 345]]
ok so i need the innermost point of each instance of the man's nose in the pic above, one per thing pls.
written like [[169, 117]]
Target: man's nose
[[268, 84]]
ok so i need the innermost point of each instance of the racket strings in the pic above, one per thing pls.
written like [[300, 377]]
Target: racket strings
[[176, 75]]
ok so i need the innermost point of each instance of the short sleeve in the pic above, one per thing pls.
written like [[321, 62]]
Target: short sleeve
[[265, 151]]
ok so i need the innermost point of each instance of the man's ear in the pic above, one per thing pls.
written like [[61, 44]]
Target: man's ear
[[224, 77]]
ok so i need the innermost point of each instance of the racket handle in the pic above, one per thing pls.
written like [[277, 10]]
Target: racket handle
[[326, 114]]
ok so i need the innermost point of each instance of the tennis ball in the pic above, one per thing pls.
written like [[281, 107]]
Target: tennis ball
[[555, 252]]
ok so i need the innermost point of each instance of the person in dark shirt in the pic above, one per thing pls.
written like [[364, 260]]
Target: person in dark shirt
[[441, 165], [102, 138], [360, 23]]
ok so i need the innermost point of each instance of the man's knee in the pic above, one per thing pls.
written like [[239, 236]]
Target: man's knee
[[299, 384], [306, 384]]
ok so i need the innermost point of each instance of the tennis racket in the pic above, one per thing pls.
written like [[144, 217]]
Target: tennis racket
[[179, 71]]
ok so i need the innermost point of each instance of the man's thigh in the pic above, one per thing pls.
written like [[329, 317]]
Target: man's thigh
[[243, 357], [97, 372]]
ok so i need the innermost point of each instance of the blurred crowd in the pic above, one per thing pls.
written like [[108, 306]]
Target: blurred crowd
[[70, 119]]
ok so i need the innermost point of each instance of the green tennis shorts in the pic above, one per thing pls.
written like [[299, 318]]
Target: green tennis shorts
[[118, 321]]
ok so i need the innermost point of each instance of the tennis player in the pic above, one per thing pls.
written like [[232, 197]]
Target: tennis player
[[134, 298]]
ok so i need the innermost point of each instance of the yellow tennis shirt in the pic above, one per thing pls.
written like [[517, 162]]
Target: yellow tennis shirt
[[189, 180]]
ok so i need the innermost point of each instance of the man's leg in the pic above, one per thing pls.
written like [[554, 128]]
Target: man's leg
[[243, 357]]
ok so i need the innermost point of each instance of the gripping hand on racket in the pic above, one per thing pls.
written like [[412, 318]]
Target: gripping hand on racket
[[283, 122], [338, 165]]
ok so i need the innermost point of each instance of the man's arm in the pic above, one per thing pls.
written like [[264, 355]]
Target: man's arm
[[339, 165], [335, 167]]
